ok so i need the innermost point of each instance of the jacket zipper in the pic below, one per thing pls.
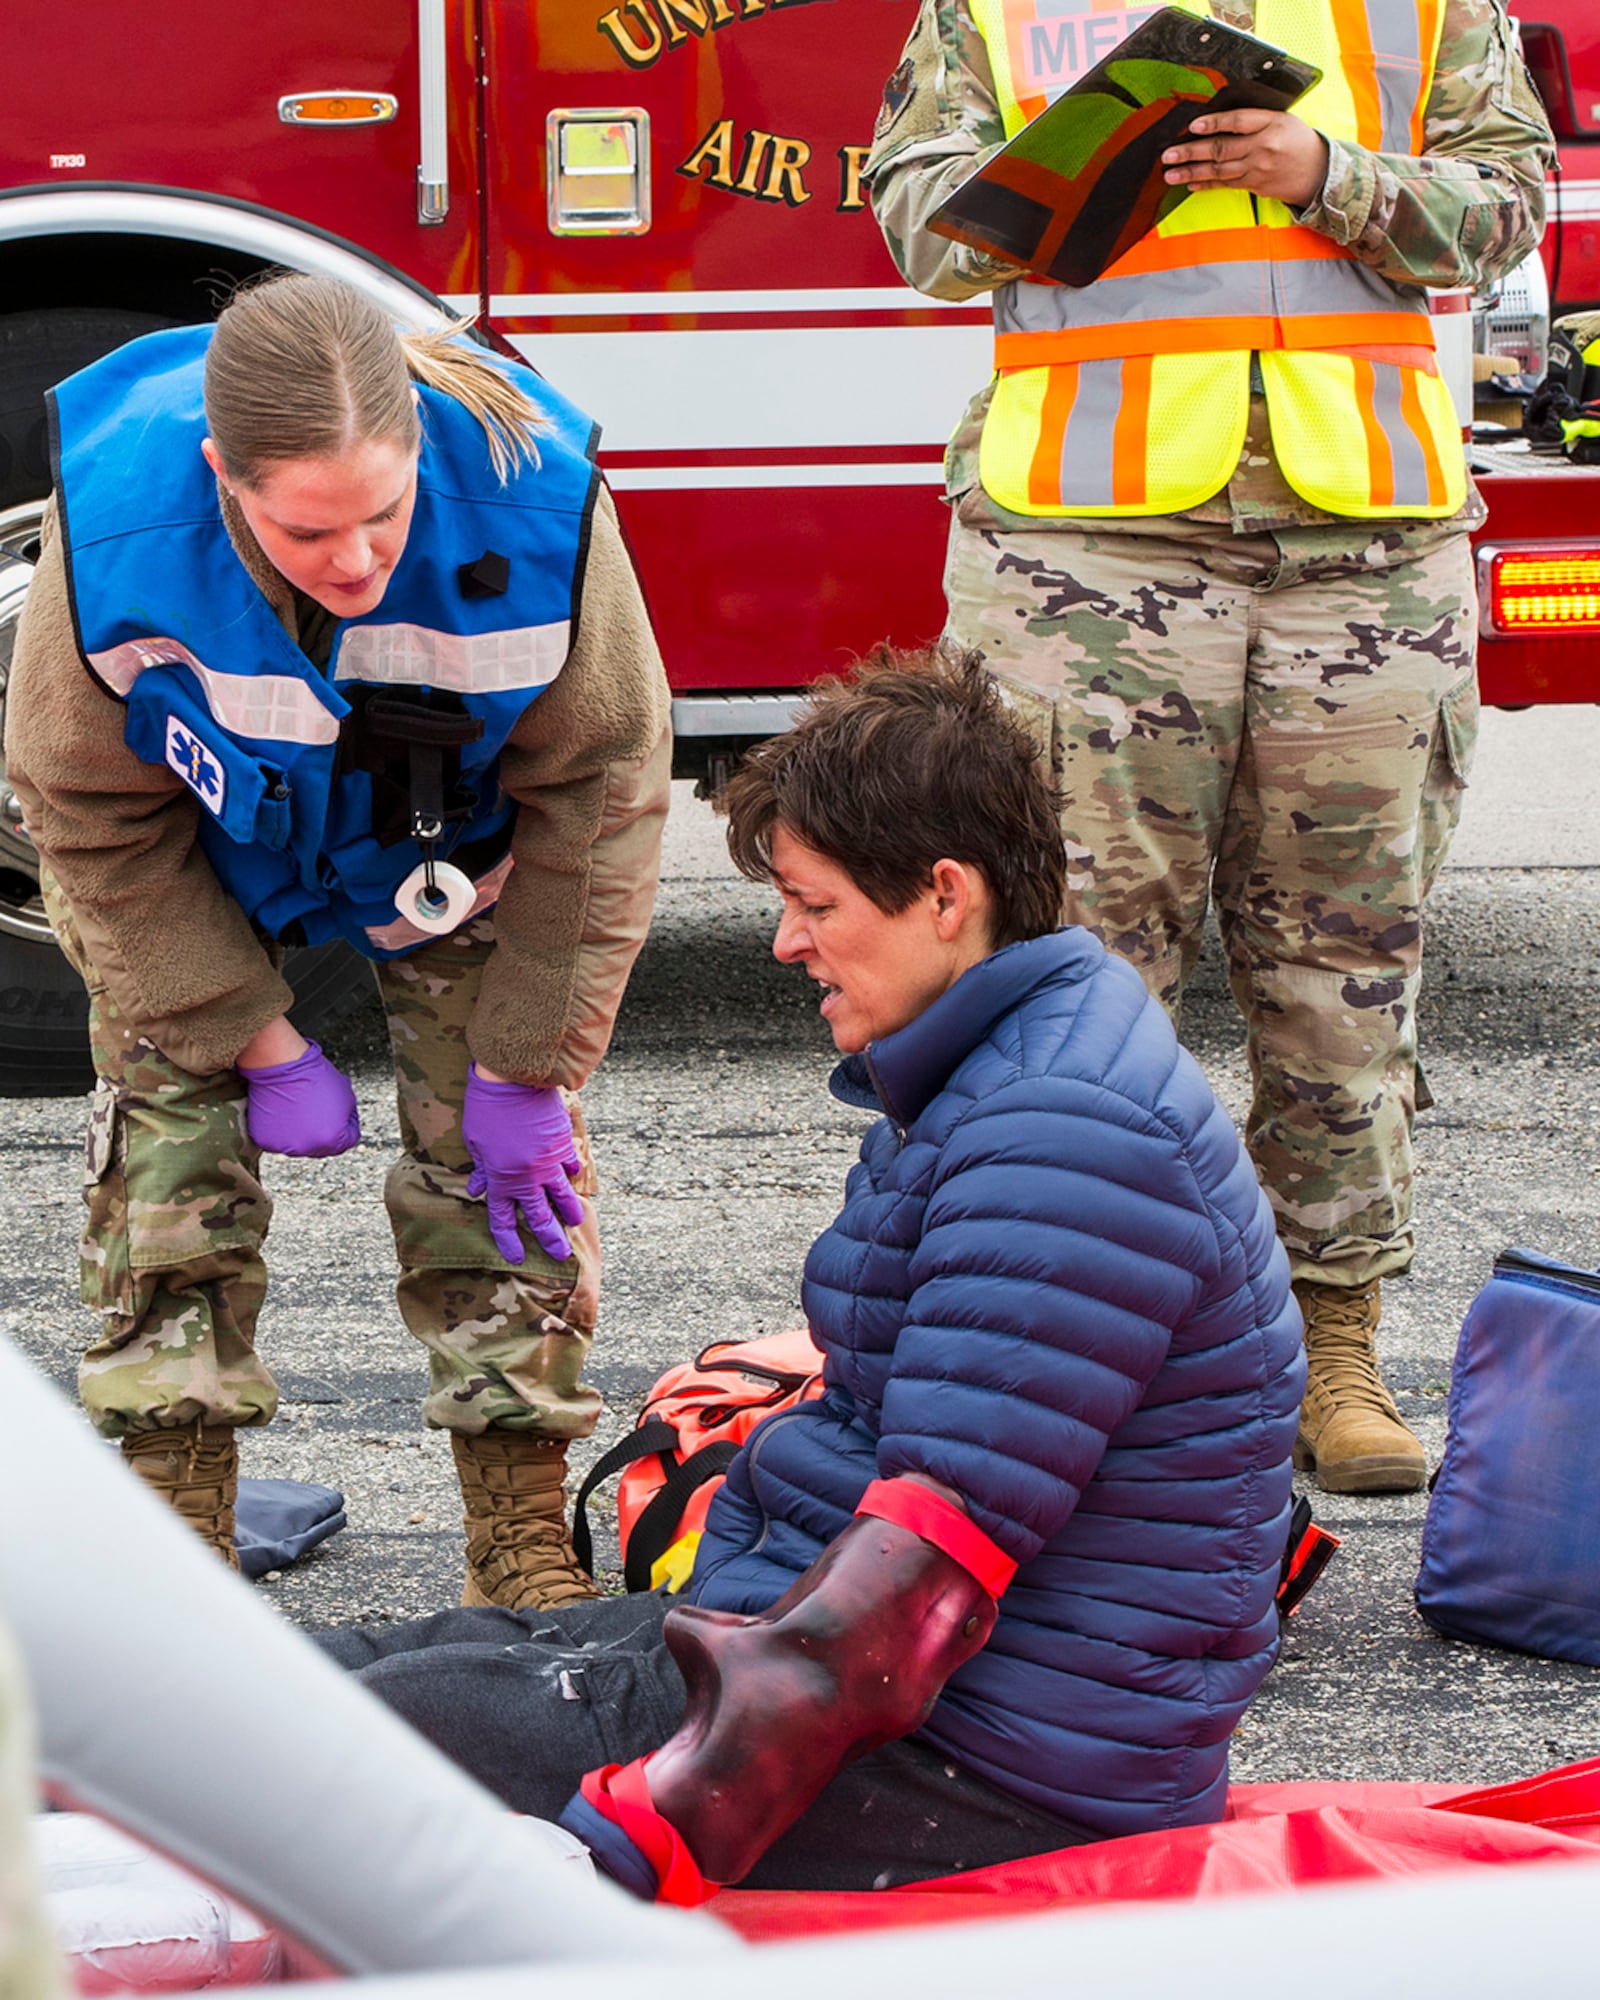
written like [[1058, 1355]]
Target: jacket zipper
[[757, 1445], [883, 1097], [1521, 1264]]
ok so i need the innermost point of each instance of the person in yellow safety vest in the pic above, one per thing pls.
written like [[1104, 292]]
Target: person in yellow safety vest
[[1210, 523]]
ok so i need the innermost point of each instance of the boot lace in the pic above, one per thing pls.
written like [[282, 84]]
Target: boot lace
[[1342, 1351]]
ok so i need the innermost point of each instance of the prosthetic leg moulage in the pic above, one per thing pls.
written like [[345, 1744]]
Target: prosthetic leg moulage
[[853, 1655]]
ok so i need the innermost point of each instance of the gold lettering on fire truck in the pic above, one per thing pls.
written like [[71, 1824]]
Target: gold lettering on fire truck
[[641, 31], [851, 193], [770, 167]]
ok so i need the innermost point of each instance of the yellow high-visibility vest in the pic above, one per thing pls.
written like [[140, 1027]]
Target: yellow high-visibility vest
[[1131, 395]]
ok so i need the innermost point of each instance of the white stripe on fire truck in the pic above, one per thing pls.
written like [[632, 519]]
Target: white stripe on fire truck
[[622, 305], [767, 388], [687, 478]]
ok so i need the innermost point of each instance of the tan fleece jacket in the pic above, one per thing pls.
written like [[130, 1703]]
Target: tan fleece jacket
[[588, 766]]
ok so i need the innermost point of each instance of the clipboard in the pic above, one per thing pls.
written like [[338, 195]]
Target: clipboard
[[1081, 183]]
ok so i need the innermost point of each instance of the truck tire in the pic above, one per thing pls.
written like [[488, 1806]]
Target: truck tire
[[37, 350], [44, 1011]]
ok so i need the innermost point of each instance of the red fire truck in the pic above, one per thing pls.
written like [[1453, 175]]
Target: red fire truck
[[658, 203]]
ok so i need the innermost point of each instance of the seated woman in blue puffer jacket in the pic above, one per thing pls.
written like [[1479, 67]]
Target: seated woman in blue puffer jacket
[[1009, 1584]]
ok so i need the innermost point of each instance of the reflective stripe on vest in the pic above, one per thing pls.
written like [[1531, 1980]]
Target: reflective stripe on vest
[[1131, 396], [309, 779]]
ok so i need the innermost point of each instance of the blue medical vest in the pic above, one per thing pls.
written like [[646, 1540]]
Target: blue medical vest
[[170, 622]]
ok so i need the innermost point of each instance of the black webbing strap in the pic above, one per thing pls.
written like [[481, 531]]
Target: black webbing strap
[[657, 1527], [651, 1436]]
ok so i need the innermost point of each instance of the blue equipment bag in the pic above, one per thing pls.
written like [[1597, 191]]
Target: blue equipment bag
[[277, 1521], [1511, 1546]]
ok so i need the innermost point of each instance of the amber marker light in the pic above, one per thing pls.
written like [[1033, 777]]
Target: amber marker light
[[1546, 590], [338, 107]]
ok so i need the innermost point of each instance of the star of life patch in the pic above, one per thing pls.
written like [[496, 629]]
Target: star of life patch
[[896, 96], [199, 769]]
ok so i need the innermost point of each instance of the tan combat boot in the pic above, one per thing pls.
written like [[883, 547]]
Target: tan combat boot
[[1351, 1434], [519, 1553], [195, 1469]]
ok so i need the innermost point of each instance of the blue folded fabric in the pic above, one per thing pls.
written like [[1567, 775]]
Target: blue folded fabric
[[1511, 1544], [276, 1521]]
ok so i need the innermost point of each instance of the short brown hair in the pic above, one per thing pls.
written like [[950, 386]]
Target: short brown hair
[[910, 759]]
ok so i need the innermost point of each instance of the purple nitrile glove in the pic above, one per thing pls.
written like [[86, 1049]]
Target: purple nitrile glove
[[304, 1108], [520, 1139]]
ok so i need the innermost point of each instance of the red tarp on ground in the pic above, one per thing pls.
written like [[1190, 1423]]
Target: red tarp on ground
[[1274, 1837]]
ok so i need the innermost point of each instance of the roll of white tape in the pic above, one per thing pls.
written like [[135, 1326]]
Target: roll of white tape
[[451, 903]]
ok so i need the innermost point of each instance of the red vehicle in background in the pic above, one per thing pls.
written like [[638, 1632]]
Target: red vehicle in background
[[658, 203]]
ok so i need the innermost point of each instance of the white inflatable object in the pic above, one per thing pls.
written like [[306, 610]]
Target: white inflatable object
[[174, 1702], [456, 893], [130, 1922], [383, 1857], [1485, 1934]]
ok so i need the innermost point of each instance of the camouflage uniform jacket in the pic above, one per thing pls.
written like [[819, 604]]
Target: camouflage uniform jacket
[[588, 765], [1468, 209]]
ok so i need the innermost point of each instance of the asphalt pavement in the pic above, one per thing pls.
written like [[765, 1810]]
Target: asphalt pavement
[[722, 1155]]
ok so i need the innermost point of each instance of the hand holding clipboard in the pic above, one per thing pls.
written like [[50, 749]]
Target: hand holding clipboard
[[1080, 184]]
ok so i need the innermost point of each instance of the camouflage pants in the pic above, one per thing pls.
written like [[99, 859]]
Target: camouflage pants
[[177, 1217], [1279, 724]]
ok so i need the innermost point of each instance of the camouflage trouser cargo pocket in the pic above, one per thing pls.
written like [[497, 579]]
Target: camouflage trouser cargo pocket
[[1036, 711], [506, 1342], [105, 1275], [174, 1224], [1455, 737], [1280, 725], [171, 1256], [167, 1189]]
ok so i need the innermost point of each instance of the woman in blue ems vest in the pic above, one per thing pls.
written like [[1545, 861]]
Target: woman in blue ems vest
[[366, 658]]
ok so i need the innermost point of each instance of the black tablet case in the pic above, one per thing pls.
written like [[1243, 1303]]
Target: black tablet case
[[1082, 182]]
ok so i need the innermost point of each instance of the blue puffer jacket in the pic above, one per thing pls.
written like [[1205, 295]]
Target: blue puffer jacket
[[1054, 1286]]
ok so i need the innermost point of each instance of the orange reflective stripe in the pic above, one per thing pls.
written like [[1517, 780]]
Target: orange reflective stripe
[[1130, 435], [1226, 246], [1044, 468], [1360, 69], [1397, 355], [1252, 333], [1411, 410], [1380, 459]]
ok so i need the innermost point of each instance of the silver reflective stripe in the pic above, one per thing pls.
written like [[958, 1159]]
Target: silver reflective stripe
[[1210, 291], [1203, 291], [120, 666], [402, 932], [1410, 462], [483, 663], [274, 707], [1086, 444], [1395, 28]]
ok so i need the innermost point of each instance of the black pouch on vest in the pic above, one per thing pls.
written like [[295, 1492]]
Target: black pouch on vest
[[409, 740]]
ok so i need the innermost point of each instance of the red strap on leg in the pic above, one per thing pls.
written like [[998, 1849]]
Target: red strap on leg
[[621, 1794], [910, 1504]]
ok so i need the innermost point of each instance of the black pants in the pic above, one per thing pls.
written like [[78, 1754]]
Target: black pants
[[529, 1701]]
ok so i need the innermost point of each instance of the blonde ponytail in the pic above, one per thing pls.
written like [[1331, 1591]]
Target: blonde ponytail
[[511, 420], [307, 367]]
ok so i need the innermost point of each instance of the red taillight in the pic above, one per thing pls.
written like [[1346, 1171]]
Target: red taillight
[[1545, 591]]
